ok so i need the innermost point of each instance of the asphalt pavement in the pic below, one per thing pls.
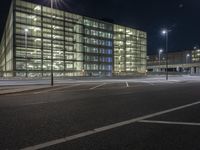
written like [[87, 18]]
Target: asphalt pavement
[[103, 115]]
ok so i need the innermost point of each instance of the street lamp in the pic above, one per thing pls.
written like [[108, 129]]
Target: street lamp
[[187, 62], [165, 33], [160, 52], [52, 81], [187, 57], [25, 37]]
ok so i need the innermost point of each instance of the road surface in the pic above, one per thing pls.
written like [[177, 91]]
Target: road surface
[[162, 115]]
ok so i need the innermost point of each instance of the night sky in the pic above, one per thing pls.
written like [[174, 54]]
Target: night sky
[[181, 16]]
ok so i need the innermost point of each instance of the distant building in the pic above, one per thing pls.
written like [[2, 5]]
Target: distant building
[[196, 56], [182, 62], [80, 45]]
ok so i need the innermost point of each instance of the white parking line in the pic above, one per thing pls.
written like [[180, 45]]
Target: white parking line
[[150, 83], [127, 85], [97, 86], [51, 90], [170, 122], [36, 103], [105, 128], [168, 81]]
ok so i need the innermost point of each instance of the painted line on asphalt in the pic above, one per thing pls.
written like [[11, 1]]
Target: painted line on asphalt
[[127, 85], [100, 85], [135, 86], [36, 103], [170, 122], [15, 94], [161, 81], [105, 128], [56, 89], [174, 80], [168, 81], [150, 83]]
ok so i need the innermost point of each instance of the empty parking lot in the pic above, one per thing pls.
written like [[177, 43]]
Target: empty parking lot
[[114, 114]]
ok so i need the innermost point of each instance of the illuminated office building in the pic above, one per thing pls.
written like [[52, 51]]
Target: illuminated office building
[[35, 37], [196, 55]]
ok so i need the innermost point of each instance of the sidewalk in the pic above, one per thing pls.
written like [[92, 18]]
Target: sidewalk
[[5, 90]]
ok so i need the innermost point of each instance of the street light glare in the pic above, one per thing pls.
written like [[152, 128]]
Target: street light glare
[[161, 50], [164, 31]]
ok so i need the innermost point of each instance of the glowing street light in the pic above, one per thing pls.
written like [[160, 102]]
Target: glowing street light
[[187, 57], [165, 33], [160, 52], [187, 61]]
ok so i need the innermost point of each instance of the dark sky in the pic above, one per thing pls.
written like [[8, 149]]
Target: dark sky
[[182, 16]]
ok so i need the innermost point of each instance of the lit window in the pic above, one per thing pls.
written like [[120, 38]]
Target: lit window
[[37, 8]]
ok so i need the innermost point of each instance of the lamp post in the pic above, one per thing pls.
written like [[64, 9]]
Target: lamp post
[[52, 80], [160, 52], [165, 32], [187, 62], [25, 37], [187, 56]]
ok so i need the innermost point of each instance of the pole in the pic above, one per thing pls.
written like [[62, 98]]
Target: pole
[[159, 61], [159, 58], [186, 63], [167, 55], [26, 53], [52, 81], [186, 60]]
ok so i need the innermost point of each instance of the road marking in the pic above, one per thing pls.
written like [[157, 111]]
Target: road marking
[[168, 81], [98, 86], [170, 122], [51, 90], [174, 80], [36, 103], [127, 85], [150, 83], [105, 128], [140, 86], [14, 94]]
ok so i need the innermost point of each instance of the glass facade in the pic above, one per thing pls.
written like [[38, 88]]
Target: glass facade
[[6, 47], [130, 48], [196, 56], [36, 36]]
